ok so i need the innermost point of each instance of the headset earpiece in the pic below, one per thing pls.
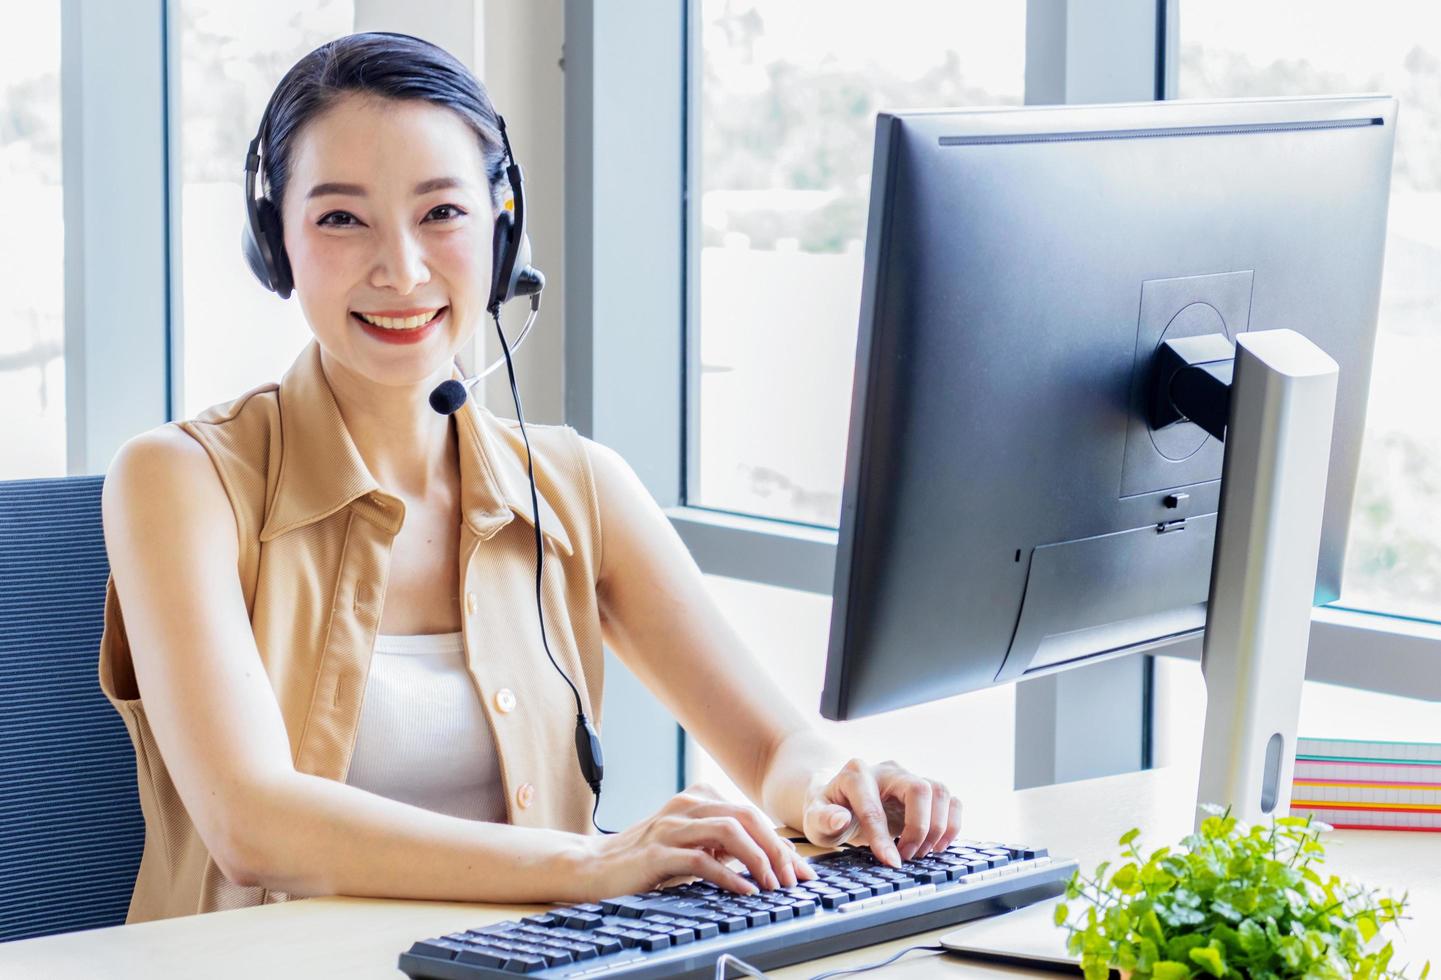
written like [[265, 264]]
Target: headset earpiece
[[262, 240], [269, 249], [503, 256]]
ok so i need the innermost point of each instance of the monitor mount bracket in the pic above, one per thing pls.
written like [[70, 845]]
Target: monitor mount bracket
[[1271, 398]]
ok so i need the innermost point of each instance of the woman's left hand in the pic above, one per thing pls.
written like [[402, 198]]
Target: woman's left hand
[[885, 801]]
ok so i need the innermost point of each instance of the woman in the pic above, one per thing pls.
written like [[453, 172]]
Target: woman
[[329, 604]]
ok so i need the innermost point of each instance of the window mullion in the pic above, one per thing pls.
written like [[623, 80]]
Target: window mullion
[[117, 225]]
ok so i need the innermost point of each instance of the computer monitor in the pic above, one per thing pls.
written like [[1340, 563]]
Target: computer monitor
[[1009, 502]]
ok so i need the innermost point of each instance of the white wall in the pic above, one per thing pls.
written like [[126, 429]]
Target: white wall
[[521, 68]]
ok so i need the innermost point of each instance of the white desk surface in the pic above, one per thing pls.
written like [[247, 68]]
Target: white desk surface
[[360, 938]]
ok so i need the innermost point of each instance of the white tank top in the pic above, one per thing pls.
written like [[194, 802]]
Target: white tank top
[[423, 737]]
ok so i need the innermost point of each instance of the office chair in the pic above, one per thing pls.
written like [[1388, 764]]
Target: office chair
[[71, 829]]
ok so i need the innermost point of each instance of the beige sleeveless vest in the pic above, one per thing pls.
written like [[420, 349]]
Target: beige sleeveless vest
[[315, 538]]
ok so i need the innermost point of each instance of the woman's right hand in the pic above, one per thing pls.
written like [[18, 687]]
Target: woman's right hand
[[694, 833]]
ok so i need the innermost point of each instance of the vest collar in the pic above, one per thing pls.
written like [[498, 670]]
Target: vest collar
[[321, 471]]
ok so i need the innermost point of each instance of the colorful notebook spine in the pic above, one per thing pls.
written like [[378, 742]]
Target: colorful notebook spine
[[1368, 785]]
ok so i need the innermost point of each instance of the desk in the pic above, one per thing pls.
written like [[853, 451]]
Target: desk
[[1081, 820]]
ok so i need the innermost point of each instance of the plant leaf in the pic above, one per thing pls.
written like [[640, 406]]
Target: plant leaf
[[1210, 959]]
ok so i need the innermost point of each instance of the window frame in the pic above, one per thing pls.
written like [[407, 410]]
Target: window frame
[[628, 381], [117, 80], [629, 162]]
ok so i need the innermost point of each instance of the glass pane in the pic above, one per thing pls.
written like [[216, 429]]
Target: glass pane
[[967, 741], [237, 335], [1327, 711], [788, 97], [32, 246], [1231, 48]]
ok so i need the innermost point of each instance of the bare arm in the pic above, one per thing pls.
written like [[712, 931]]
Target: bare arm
[[171, 536], [658, 616]]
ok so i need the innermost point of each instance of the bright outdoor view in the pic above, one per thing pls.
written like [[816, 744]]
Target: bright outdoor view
[[1234, 49], [787, 106], [231, 58], [786, 117], [783, 121], [32, 250]]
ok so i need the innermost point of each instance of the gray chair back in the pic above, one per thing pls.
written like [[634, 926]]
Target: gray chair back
[[71, 830]]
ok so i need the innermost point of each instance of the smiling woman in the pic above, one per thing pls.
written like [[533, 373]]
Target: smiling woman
[[327, 659]]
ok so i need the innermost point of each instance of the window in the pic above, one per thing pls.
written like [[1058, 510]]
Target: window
[[786, 107], [782, 128], [966, 741], [1327, 711], [1232, 49], [32, 247], [236, 334]]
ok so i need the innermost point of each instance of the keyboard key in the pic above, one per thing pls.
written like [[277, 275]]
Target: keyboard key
[[441, 949], [583, 920], [484, 956], [581, 951], [494, 930], [653, 942], [543, 919], [734, 923], [629, 907], [680, 934], [524, 963], [605, 945], [554, 956], [523, 946]]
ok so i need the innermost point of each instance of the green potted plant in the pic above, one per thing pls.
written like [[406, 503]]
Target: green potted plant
[[1235, 901]]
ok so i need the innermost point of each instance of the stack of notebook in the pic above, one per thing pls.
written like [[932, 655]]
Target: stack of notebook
[[1368, 785]]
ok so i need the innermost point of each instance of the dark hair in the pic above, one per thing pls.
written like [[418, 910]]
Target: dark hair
[[391, 66]]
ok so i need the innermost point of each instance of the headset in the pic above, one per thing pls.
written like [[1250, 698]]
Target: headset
[[263, 244], [512, 275]]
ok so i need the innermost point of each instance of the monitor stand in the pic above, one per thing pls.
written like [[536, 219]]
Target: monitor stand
[[1263, 574]]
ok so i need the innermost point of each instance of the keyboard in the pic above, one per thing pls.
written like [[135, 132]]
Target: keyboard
[[680, 931]]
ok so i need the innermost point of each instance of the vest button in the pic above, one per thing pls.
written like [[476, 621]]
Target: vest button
[[525, 795], [505, 700], [470, 603]]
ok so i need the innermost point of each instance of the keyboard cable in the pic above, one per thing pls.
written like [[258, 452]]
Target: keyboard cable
[[726, 959]]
